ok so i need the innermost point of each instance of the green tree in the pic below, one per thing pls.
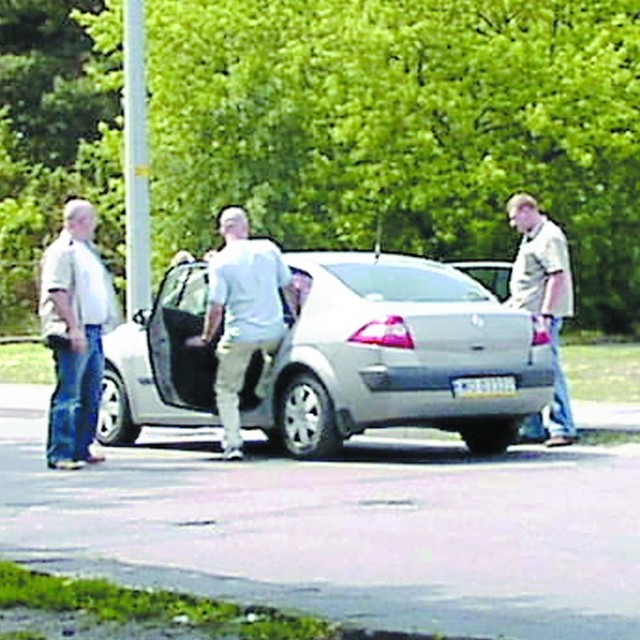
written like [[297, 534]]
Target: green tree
[[31, 200], [52, 102], [334, 120]]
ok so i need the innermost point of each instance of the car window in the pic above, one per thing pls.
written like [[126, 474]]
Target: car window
[[186, 289], [495, 279], [398, 283], [302, 283]]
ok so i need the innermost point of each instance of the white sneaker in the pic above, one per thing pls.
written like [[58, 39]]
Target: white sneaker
[[233, 454], [66, 465]]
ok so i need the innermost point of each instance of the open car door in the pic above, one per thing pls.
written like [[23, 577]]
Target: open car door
[[184, 376]]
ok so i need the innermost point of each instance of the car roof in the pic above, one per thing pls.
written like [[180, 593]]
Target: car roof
[[481, 264], [359, 257]]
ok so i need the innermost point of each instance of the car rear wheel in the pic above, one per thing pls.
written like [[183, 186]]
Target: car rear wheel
[[307, 419], [491, 437], [114, 420]]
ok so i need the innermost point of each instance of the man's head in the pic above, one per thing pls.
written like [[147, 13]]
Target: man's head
[[80, 219], [523, 212], [181, 257], [233, 223]]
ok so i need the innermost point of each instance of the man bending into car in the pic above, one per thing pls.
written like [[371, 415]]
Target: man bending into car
[[244, 281]]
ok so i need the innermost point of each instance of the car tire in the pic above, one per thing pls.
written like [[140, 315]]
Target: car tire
[[275, 441], [306, 419], [115, 426], [491, 438]]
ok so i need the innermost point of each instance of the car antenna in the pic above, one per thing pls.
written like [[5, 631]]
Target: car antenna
[[378, 236]]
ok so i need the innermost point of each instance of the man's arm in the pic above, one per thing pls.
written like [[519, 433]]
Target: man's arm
[[62, 302], [554, 290]]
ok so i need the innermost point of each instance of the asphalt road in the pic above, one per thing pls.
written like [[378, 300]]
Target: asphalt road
[[401, 534]]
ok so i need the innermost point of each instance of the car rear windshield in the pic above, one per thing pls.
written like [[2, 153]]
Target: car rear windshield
[[407, 283]]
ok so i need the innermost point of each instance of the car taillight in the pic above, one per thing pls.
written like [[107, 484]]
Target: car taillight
[[385, 332], [541, 334]]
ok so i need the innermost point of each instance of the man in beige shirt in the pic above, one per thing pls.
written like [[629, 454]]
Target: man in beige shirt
[[77, 305], [541, 283]]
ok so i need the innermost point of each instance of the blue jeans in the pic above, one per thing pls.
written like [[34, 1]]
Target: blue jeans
[[560, 415], [75, 403]]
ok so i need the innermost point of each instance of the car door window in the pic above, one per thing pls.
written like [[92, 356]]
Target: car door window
[[186, 290]]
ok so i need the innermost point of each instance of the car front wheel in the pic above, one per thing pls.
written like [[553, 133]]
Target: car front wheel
[[491, 437], [307, 419], [115, 426]]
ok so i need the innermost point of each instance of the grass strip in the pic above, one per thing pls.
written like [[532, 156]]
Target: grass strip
[[20, 587], [26, 363]]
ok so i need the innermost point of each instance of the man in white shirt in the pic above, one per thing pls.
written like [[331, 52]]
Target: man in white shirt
[[244, 281], [77, 303]]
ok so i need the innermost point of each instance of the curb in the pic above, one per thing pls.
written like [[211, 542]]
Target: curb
[[19, 339]]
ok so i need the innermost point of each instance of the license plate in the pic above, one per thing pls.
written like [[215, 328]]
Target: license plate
[[486, 387]]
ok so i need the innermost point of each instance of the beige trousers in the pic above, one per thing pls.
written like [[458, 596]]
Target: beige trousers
[[233, 360]]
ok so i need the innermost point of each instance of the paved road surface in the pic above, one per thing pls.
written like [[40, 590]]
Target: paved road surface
[[402, 535]]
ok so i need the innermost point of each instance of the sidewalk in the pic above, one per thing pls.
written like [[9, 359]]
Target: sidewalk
[[589, 414]]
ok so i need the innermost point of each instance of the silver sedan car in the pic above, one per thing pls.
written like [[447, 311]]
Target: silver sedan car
[[380, 341]]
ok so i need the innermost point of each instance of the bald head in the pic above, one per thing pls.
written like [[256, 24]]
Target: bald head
[[79, 218], [75, 208], [234, 224]]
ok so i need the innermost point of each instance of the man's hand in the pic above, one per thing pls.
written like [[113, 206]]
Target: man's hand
[[196, 341], [547, 320], [543, 322], [78, 340]]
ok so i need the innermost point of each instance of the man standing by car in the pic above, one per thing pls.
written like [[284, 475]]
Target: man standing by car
[[244, 281], [77, 303], [541, 283]]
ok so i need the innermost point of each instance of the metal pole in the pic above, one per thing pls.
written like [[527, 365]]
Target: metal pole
[[138, 260]]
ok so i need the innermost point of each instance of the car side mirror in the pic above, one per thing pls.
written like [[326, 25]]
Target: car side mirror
[[141, 317]]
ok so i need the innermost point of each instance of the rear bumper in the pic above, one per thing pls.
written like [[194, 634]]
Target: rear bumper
[[380, 378]]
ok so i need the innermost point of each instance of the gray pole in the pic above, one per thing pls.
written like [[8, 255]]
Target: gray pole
[[136, 161]]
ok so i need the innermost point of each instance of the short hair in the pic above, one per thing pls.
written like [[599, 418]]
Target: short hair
[[521, 199], [73, 208], [233, 216]]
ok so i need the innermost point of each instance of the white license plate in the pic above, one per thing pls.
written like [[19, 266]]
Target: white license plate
[[487, 387]]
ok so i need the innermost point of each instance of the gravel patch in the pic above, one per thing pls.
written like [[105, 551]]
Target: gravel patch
[[79, 625]]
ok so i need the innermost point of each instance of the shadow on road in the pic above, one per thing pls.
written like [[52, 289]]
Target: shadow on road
[[383, 450]]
